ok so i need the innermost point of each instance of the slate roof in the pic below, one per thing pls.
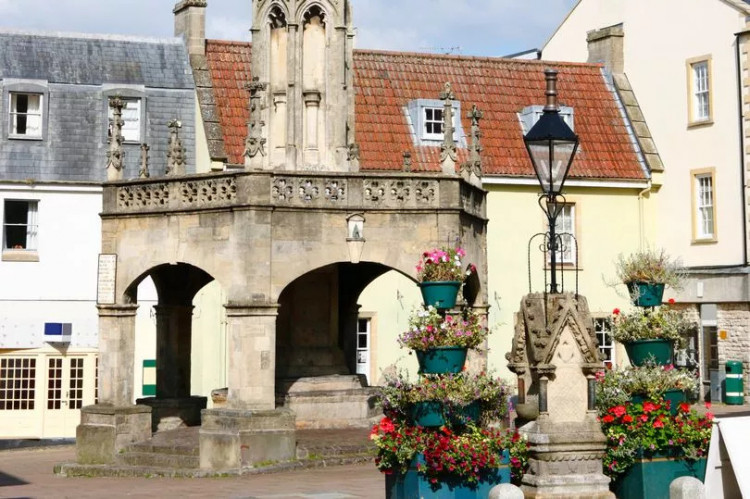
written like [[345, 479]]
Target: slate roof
[[76, 58], [385, 82]]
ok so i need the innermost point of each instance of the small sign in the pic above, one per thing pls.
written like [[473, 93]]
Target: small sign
[[105, 287]]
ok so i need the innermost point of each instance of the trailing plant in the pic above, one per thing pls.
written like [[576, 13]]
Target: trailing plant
[[454, 391], [635, 431], [650, 266], [466, 456], [429, 329], [615, 388], [441, 264], [661, 322]]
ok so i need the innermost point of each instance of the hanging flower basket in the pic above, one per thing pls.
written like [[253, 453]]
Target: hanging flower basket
[[440, 294], [658, 351], [441, 360], [646, 294], [428, 414]]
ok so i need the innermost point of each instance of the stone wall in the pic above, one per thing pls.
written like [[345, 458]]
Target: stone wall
[[734, 318]]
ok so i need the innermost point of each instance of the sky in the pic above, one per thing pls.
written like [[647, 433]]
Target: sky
[[461, 27]]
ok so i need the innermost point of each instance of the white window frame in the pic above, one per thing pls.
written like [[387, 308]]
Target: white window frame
[[32, 225], [436, 121], [565, 227], [700, 105], [131, 116], [603, 331], [703, 183], [416, 116], [29, 115]]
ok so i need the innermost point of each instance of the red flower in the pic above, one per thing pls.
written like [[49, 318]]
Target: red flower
[[616, 311], [671, 301], [684, 407], [709, 415], [658, 424], [608, 418], [386, 425], [643, 418], [627, 418], [618, 410], [708, 405], [649, 406]]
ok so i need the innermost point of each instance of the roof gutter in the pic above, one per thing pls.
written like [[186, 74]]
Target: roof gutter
[[532, 181], [743, 188]]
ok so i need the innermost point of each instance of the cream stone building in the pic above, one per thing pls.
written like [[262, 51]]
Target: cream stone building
[[687, 62]]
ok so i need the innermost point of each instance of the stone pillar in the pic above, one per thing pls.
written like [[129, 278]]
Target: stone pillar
[[251, 345], [173, 352], [294, 97], [116, 351]]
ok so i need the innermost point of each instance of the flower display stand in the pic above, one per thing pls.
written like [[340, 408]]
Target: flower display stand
[[650, 478], [440, 294], [675, 397], [642, 351], [646, 294], [414, 485], [441, 360]]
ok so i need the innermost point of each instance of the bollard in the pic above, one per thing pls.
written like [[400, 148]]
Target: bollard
[[505, 491], [687, 487], [734, 392]]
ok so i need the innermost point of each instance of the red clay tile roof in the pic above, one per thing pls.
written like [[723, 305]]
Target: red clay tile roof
[[385, 82]]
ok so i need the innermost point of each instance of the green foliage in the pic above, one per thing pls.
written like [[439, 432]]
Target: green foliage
[[428, 329], [661, 322], [617, 387], [454, 391], [652, 266]]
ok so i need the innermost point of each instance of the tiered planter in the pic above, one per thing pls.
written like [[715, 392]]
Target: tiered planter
[[642, 351], [441, 360], [440, 294], [414, 485], [650, 478], [646, 294], [675, 397]]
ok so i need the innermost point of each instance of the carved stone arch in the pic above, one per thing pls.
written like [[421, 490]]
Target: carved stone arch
[[327, 9], [277, 15]]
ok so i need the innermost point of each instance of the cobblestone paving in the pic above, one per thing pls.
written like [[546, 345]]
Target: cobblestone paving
[[28, 473]]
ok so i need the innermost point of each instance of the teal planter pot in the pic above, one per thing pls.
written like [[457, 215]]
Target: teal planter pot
[[441, 360], [414, 485], [646, 294], [642, 351], [440, 294], [428, 413], [650, 478], [675, 398]]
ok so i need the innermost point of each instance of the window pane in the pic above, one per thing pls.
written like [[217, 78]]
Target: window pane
[[131, 117], [704, 206]]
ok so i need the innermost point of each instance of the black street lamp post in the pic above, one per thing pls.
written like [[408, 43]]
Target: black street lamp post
[[551, 145]]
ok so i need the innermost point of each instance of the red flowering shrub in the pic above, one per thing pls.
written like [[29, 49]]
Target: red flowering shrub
[[467, 455], [644, 430]]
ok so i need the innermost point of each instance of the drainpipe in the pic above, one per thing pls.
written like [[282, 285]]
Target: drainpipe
[[641, 215], [742, 146]]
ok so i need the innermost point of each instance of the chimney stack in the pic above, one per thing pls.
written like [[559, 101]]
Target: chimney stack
[[190, 24], [606, 46]]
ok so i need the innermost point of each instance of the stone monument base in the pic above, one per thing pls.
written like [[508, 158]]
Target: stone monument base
[[172, 413], [105, 430], [232, 439], [565, 460], [334, 401]]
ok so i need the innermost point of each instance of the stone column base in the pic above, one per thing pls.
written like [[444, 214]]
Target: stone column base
[[232, 439], [172, 413], [105, 430], [565, 460]]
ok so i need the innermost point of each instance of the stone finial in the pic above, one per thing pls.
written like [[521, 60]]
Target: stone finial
[[175, 151], [448, 154], [407, 161], [472, 169], [115, 153], [255, 143], [505, 491], [687, 487], [143, 172]]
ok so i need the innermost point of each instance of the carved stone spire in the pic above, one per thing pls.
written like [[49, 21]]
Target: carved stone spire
[[472, 169], [448, 148], [115, 153], [143, 172], [407, 161], [352, 156], [255, 143], [175, 151]]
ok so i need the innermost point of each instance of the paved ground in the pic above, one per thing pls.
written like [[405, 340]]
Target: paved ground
[[28, 473]]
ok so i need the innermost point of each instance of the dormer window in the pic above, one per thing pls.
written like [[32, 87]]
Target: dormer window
[[26, 115], [531, 114], [131, 117], [425, 117]]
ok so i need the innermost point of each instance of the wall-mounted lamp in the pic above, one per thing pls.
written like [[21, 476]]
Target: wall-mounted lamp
[[355, 236]]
